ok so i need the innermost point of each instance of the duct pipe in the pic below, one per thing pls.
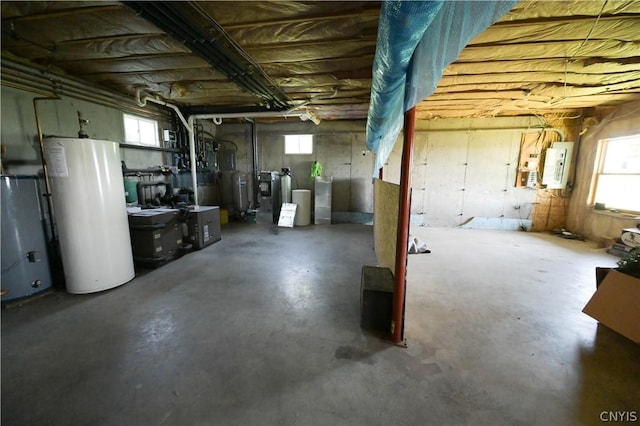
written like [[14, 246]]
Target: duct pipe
[[402, 239]]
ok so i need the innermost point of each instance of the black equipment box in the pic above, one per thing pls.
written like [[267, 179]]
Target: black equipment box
[[155, 235], [203, 223], [376, 299]]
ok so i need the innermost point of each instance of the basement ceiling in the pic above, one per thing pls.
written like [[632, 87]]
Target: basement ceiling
[[228, 56]]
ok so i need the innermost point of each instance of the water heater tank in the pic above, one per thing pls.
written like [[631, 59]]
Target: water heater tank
[[25, 263], [90, 210], [285, 188]]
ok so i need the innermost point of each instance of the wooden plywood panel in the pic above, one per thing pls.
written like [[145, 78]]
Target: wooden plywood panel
[[385, 222], [488, 164], [392, 167], [444, 178]]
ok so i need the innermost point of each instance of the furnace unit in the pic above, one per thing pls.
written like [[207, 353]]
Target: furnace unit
[[203, 223]]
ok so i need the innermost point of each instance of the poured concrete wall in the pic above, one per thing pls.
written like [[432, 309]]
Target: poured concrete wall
[[59, 118], [338, 146], [601, 226], [465, 169]]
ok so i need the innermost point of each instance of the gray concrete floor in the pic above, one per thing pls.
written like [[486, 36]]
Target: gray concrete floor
[[263, 328]]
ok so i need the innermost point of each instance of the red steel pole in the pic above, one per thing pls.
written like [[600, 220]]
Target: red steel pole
[[402, 241]]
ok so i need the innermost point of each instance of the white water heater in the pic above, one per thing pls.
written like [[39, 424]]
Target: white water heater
[[87, 190]]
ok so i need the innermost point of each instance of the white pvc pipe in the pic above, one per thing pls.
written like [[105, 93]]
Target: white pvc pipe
[[143, 102]]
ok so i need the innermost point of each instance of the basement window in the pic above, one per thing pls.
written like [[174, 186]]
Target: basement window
[[617, 177], [298, 144], [140, 131]]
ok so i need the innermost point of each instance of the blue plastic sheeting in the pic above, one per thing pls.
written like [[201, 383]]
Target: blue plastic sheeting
[[417, 40]]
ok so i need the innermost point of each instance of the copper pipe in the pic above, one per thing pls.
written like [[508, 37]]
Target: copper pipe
[[45, 170], [402, 241]]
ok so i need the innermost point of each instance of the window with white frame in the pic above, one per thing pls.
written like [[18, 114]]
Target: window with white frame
[[617, 177], [140, 131], [298, 144]]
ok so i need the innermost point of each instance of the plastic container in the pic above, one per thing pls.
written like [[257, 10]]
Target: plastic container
[[224, 216]]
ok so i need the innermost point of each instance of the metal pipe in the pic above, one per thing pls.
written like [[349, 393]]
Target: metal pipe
[[254, 146], [260, 114], [402, 240], [45, 169], [192, 154], [39, 80], [192, 136]]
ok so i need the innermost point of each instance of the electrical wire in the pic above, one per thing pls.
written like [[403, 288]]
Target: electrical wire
[[566, 62]]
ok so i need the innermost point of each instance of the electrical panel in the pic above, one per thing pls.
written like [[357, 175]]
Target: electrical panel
[[556, 165], [169, 137], [532, 179]]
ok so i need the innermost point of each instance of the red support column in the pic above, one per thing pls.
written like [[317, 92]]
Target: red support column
[[402, 242]]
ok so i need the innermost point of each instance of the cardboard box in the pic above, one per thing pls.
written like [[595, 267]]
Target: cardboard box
[[616, 304]]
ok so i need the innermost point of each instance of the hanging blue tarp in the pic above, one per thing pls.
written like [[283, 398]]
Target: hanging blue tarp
[[417, 40]]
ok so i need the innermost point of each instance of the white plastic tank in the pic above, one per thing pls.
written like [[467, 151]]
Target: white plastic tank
[[302, 198], [90, 211]]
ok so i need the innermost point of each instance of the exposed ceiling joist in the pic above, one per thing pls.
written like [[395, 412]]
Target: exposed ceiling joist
[[541, 56], [214, 46]]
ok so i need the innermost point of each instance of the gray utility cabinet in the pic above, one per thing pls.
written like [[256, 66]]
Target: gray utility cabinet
[[155, 236], [322, 209], [203, 223]]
